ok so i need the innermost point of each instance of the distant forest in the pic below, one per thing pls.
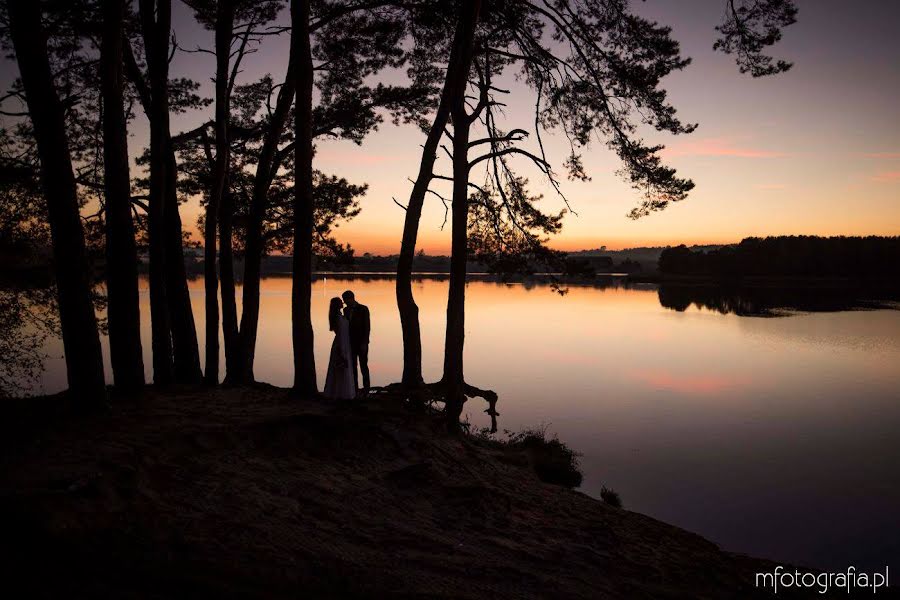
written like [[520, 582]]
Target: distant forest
[[631, 260], [872, 257], [622, 261]]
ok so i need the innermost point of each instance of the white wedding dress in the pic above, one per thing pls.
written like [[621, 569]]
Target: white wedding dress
[[339, 384]]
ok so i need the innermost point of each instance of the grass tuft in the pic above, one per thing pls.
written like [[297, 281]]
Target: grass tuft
[[552, 460], [611, 497]]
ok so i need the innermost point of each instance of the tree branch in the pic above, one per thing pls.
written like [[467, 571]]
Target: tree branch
[[497, 154]]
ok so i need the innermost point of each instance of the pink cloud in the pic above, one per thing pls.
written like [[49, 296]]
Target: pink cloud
[[718, 147], [886, 177], [770, 186], [888, 155]]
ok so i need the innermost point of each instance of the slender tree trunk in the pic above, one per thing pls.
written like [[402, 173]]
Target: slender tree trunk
[[301, 319], [456, 299], [121, 254], [211, 288], [156, 44], [255, 244], [453, 379], [454, 88], [175, 352], [181, 313], [224, 27], [81, 341], [406, 303], [218, 213], [226, 273]]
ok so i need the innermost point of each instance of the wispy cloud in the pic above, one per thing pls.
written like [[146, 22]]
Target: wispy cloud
[[885, 155], [886, 177], [718, 147]]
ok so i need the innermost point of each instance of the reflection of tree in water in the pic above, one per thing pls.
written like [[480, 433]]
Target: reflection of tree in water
[[28, 317], [766, 302], [28, 310]]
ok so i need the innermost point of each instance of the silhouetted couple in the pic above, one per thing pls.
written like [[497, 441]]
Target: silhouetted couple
[[351, 346]]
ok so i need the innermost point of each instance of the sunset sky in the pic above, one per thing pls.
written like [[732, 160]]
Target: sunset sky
[[812, 151]]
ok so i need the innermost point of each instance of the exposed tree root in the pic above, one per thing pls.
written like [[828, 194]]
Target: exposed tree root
[[427, 394]]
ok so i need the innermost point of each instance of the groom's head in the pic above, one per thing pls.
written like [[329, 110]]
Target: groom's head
[[349, 298]]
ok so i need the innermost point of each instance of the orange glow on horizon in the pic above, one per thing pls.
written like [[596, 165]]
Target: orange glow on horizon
[[386, 241]]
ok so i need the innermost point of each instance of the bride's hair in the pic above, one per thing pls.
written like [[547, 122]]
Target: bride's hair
[[334, 313]]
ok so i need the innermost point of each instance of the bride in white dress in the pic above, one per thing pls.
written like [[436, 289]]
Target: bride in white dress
[[339, 384]]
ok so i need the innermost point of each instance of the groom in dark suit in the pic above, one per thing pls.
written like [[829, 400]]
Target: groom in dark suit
[[358, 315]]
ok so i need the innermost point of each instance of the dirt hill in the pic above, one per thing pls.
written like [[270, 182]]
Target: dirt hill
[[249, 493]]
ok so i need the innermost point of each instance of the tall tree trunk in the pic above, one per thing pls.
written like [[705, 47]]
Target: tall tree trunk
[[181, 313], [301, 319], [224, 27], [121, 254], [226, 274], [453, 379], [81, 341], [211, 289], [170, 302], [155, 31], [218, 213], [454, 88], [255, 244]]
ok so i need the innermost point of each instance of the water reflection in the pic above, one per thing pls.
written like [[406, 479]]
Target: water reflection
[[770, 301], [28, 319]]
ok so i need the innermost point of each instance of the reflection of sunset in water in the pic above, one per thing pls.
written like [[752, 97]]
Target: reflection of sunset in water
[[688, 384], [678, 411]]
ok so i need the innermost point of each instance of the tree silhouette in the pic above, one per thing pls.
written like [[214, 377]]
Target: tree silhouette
[[857, 258], [174, 337], [238, 25], [121, 254], [595, 70], [81, 340], [29, 314], [345, 42], [511, 242], [349, 43], [266, 171]]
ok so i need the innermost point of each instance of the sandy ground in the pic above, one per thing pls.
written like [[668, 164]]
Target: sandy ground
[[248, 493]]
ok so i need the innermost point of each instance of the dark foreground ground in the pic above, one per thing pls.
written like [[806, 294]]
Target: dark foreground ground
[[247, 493]]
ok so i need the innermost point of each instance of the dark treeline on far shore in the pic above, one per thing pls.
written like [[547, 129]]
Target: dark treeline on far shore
[[34, 259], [580, 263], [872, 258], [584, 262]]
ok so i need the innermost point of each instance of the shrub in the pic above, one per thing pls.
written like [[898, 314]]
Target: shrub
[[552, 460], [611, 497]]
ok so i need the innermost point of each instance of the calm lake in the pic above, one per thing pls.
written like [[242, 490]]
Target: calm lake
[[776, 437]]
